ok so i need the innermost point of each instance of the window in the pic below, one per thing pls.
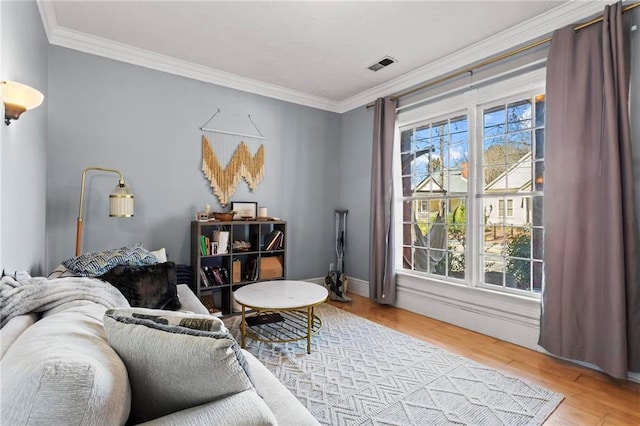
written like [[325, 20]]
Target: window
[[434, 158], [512, 165], [472, 192], [501, 211]]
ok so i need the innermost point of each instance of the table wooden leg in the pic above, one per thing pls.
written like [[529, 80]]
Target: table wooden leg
[[309, 322], [243, 328]]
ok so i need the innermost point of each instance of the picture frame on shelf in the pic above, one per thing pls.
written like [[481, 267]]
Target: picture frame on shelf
[[244, 209]]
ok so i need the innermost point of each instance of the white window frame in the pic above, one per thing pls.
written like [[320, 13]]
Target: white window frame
[[470, 102]]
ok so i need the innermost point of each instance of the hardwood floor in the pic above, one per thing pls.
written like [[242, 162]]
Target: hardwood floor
[[591, 397]]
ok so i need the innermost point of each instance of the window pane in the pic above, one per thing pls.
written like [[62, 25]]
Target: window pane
[[539, 144], [494, 270], [422, 139], [540, 110], [537, 277], [537, 211], [519, 115], [407, 188], [539, 176], [518, 263], [406, 139], [494, 121], [537, 243]]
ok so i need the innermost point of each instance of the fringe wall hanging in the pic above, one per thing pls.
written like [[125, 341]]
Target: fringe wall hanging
[[242, 153]]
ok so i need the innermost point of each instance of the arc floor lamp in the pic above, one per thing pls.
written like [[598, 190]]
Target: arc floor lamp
[[120, 202]]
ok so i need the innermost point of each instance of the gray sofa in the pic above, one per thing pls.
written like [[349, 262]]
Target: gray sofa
[[59, 368]]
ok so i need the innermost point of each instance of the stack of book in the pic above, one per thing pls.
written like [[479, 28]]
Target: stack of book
[[213, 276], [274, 240]]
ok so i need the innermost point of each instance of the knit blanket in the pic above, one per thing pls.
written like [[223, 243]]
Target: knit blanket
[[41, 294]]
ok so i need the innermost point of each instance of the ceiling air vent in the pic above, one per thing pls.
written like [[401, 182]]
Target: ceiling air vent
[[384, 62]]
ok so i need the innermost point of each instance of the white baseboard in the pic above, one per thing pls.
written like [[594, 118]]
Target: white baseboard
[[356, 286]]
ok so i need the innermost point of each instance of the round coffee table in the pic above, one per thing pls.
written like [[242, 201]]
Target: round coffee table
[[280, 307]]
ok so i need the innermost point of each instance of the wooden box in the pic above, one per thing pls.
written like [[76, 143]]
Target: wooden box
[[271, 267]]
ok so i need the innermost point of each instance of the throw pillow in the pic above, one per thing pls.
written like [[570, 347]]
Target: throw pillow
[[160, 254], [173, 366], [61, 272], [94, 264], [149, 286]]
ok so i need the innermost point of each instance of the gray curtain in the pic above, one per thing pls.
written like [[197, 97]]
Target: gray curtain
[[382, 276], [591, 295]]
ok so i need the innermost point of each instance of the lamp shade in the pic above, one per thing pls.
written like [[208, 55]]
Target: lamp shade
[[18, 98], [121, 201]]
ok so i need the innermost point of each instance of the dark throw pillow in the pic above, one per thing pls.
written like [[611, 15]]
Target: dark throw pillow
[[147, 286]]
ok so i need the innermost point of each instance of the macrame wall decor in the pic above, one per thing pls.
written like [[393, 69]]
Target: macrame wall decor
[[242, 153]]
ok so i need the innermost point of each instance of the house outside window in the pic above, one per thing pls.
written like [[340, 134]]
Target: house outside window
[[472, 190]]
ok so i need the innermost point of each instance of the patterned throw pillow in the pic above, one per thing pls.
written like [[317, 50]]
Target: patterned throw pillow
[[175, 360], [94, 264]]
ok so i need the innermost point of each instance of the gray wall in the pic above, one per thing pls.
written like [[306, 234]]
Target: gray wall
[[356, 136], [23, 145], [146, 124]]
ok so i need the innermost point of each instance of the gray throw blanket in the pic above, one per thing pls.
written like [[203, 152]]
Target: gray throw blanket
[[40, 294]]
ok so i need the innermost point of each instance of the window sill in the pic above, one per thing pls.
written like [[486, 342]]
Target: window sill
[[506, 316]]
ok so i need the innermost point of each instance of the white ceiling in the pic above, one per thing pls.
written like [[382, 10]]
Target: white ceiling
[[313, 53]]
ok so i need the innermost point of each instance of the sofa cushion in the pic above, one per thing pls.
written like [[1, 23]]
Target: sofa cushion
[[175, 360], [286, 408], [146, 286], [94, 264], [62, 371], [241, 409], [14, 328]]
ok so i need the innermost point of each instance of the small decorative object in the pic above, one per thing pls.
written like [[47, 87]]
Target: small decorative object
[[222, 238], [202, 216], [224, 217], [244, 209], [262, 212]]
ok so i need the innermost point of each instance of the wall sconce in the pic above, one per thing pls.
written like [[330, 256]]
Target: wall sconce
[[18, 98], [120, 202]]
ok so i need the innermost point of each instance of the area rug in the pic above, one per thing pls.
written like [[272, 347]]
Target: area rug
[[362, 373]]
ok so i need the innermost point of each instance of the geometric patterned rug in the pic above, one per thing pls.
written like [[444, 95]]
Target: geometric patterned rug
[[362, 373]]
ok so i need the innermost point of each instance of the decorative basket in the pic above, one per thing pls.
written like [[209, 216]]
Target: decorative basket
[[223, 217]]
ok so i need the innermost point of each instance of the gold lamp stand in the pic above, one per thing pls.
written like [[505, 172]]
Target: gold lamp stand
[[120, 202]]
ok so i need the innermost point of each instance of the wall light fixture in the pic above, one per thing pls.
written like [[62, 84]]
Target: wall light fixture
[[18, 98]]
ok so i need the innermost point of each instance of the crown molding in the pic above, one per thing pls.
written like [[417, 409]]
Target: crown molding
[[535, 28], [48, 16], [83, 42]]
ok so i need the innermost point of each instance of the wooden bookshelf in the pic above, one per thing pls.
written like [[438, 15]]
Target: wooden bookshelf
[[260, 256]]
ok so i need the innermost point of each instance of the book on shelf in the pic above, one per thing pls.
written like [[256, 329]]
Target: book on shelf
[[251, 269], [204, 280], [217, 277], [273, 240], [203, 246]]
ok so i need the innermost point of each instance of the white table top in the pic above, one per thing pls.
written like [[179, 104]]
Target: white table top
[[282, 294]]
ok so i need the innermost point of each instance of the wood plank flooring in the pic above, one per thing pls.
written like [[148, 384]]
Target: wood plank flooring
[[591, 397]]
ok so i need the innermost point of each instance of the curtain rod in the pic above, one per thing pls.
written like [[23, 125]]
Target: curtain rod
[[496, 58]]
